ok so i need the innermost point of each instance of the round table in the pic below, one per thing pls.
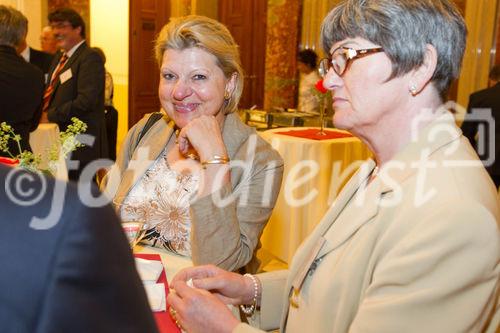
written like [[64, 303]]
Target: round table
[[314, 173]]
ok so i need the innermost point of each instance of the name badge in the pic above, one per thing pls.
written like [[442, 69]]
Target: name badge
[[309, 264], [65, 76]]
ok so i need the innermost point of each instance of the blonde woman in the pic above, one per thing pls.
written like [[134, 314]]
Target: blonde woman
[[208, 183]]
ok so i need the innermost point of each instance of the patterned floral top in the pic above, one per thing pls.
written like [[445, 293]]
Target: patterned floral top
[[161, 198]]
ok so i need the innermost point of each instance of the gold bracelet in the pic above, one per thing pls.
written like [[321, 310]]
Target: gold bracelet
[[216, 159]]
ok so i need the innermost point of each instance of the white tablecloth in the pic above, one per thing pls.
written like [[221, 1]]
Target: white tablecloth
[[41, 141], [314, 173]]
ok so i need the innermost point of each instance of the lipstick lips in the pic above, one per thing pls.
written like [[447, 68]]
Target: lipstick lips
[[185, 107]]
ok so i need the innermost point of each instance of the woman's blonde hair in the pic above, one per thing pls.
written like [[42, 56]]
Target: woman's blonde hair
[[213, 37]]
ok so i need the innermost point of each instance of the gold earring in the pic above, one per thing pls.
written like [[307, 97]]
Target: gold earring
[[413, 90], [227, 95]]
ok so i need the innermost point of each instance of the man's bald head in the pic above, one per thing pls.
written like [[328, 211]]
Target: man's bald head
[[48, 41]]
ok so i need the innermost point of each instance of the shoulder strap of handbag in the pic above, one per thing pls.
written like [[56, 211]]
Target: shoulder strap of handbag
[[153, 118]]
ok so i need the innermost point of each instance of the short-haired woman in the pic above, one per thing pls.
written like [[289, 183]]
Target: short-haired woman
[[412, 242]]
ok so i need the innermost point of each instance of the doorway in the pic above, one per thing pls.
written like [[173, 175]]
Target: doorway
[[247, 21], [147, 17]]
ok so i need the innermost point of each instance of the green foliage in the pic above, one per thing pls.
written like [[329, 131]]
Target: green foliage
[[67, 143]]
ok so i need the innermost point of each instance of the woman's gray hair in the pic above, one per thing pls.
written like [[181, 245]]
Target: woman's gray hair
[[13, 26], [212, 36], [403, 28]]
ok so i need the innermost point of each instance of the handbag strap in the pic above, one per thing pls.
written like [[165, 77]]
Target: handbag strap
[[153, 118]]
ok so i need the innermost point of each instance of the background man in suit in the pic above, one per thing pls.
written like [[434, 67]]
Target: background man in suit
[[48, 41], [77, 276], [21, 84], [76, 86], [40, 59], [484, 101]]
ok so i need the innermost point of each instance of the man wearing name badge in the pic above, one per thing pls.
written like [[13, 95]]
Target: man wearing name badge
[[75, 87]]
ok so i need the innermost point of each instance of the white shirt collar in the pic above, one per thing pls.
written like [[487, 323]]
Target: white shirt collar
[[26, 54], [73, 49]]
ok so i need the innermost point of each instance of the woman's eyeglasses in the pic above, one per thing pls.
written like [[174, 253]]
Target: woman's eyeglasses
[[342, 57]]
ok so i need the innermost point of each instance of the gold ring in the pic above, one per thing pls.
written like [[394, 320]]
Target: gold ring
[[173, 313], [177, 323], [193, 156]]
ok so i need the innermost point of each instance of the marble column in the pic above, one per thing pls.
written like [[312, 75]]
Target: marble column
[[281, 53]]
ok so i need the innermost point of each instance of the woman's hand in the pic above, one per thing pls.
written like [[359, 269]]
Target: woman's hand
[[197, 310], [204, 135], [230, 288]]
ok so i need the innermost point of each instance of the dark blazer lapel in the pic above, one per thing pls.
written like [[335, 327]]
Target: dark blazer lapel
[[75, 56], [71, 61]]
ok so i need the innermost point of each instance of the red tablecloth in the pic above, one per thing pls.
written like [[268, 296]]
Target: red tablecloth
[[313, 133], [164, 322]]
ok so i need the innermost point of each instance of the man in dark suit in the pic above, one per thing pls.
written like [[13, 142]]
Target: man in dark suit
[[76, 87], [73, 273], [21, 84], [40, 59], [486, 100]]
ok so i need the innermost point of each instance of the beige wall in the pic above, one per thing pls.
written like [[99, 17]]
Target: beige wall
[[110, 31], [36, 15]]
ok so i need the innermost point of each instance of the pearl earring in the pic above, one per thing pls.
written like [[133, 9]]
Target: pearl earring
[[413, 90]]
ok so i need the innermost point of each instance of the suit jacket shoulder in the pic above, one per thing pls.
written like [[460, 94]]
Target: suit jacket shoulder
[[72, 271], [41, 59], [21, 91]]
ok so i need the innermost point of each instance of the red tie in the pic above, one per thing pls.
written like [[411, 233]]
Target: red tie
[[55, 76]]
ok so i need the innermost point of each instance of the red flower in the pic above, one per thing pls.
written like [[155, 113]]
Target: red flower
[[9, 161], [320, 87]]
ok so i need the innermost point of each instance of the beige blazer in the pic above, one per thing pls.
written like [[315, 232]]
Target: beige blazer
[[417, 250], [229, 236]]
